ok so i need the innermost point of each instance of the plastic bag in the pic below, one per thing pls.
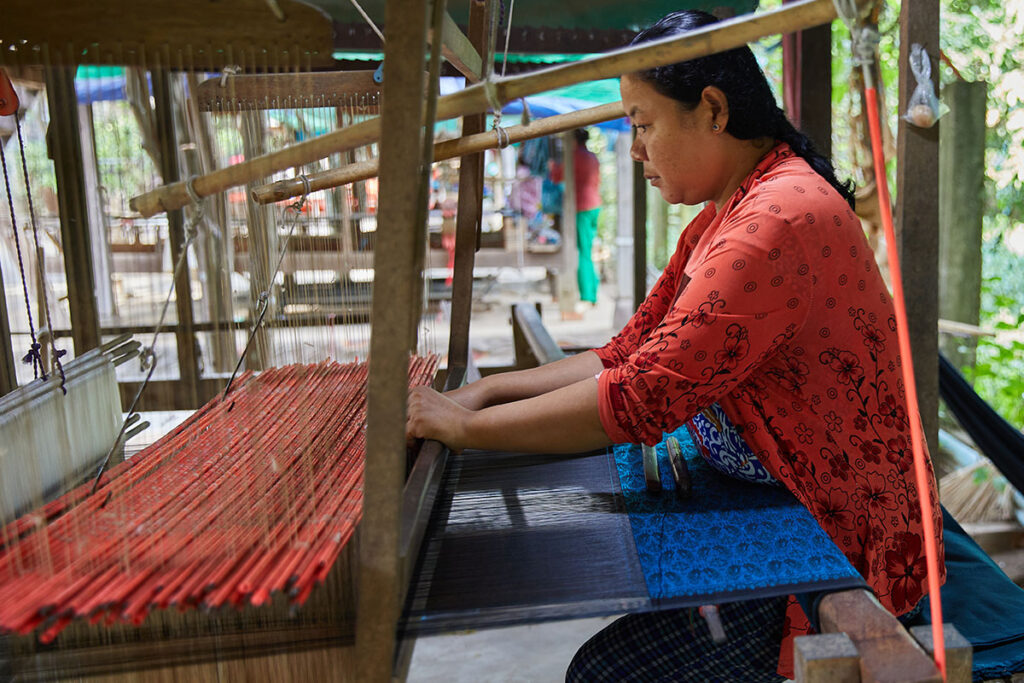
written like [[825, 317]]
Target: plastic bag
[[924, 108]]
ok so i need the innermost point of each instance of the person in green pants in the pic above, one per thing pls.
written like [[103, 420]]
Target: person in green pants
[[588, 206]]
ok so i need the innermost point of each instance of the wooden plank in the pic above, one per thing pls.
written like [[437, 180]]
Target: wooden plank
[[826, 658], [286, 91], [961, 207], [211, 34], [916, 216], [65, 148], [568, 287], [959, 654], [396, 255], [188, 363], [887, 652], [460, 50], [536, 343], [470, 207]]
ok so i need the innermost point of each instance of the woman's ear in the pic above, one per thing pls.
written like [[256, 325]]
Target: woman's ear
[[717, 105]]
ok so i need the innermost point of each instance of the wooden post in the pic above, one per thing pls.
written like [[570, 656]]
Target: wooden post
[[97, 222], [807, 83], [658, 213], [398, 251], [263, 247], [65, 145], [917, 220], [639, 235], [188, 363], [568, 289], [8, 373], [961, 197], [624, 247], [470, 208]]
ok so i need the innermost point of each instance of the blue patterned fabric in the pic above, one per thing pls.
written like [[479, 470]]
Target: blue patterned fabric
[[731, 540], [724, 449]]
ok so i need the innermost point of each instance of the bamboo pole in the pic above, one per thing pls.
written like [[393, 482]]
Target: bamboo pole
[[719, 37], [447, 149]]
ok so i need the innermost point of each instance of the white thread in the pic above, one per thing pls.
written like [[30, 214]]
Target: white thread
[[229, 70], [508, 32]]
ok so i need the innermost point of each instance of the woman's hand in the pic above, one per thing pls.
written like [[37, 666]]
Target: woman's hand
[[436, 416], [472, 396]]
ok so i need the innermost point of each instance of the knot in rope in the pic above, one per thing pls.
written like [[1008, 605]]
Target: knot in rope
[[229, 70], [504, 140], [147, 358], [33, 356], [297, 205]]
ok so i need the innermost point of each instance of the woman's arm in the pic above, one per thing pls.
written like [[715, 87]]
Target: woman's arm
[[564, 420], [506, 387]]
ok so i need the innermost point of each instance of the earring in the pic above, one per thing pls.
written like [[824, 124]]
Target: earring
[[714, 126]]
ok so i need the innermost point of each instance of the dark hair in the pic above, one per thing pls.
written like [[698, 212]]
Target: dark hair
[[753, 112], [582, 136]]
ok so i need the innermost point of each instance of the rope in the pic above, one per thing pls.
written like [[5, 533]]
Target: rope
[[859, 31], [264, 297], [355, 3], [56, 353], [508, 33], [33, 353]]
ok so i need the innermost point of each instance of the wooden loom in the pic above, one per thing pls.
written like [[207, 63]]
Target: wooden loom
[[388, 536]]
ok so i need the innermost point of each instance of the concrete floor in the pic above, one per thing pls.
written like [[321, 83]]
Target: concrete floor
[[538, 653]]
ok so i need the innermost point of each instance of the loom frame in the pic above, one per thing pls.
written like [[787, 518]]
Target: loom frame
[[918, 157]]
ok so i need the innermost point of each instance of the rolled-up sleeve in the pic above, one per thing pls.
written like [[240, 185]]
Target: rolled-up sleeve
[[748, 295]]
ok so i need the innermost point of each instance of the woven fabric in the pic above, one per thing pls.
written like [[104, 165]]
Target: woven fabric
[[676, 645], [731, 540], [718, 440]]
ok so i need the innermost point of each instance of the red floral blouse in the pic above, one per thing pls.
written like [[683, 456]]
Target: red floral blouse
[[775, 309]]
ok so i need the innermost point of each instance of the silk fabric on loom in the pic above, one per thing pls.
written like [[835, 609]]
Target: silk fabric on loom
[[519, 538], [256, 494]]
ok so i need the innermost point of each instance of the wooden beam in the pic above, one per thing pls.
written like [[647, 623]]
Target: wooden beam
[[65, 147], [470, 207], [459, 50], [210, 35], [534, 344], [8, 372], [887, 651], [286, 91], [916, 217], [625, 262], [468, 145], [961, 208], [481, 96], [807, 83], [185, 339], [397, 253], [639, 235]]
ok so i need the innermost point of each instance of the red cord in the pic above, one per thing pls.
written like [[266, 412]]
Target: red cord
[[916, 436]]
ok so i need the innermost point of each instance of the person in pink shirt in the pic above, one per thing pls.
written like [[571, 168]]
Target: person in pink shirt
[[588, 207], [771, 335]]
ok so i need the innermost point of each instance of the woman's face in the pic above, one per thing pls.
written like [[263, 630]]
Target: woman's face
[[677, 147]]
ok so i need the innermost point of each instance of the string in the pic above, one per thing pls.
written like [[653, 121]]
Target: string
[[41, 264], [508, 34], [33, 353]]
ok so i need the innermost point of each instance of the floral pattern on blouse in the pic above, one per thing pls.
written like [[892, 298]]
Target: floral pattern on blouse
[[775, 309]]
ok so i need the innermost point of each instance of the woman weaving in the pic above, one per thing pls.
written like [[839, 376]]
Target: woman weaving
[[770, 323]]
